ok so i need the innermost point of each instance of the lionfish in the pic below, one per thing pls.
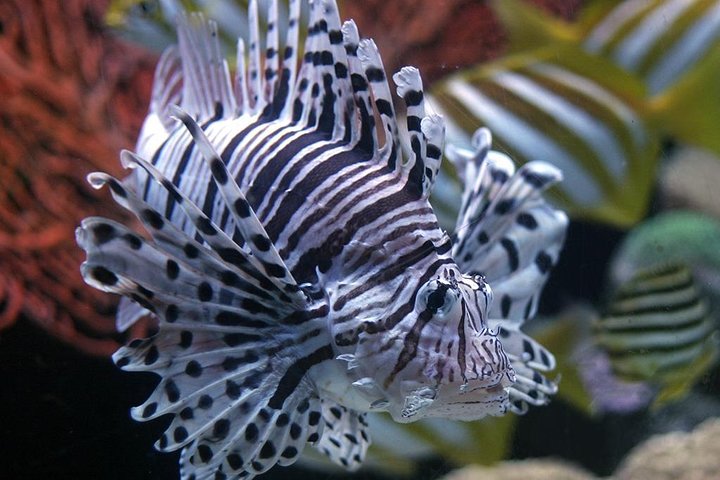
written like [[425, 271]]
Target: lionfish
[[296, 268]]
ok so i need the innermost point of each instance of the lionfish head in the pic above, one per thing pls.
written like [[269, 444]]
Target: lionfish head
[[442, 359]]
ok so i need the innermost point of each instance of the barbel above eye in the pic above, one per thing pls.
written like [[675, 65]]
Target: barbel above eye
[[438, 297]]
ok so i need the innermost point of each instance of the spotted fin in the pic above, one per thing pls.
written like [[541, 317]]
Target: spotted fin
[[345, 438], [236, 334], [506, 231], [509, 234]]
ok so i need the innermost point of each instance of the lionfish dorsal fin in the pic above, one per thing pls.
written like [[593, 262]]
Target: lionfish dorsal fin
[[167, 86], [345, 438], [206, 89], [425, 132]]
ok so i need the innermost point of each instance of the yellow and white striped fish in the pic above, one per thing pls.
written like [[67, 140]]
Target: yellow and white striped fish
[[568, 108], [659, 328]]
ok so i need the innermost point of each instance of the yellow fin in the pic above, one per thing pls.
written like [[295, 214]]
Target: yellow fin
[[678, 383], [690, 110]]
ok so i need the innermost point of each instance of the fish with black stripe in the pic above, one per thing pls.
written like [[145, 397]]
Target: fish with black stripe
[[295, 265]]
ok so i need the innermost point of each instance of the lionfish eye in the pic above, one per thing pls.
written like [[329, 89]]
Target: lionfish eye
[[438, 297]]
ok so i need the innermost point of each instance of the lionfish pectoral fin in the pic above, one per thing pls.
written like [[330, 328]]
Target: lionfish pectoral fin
[[264, 253], [233, 349], [506, 231], [128, 313], [345, 438], [528, 359]]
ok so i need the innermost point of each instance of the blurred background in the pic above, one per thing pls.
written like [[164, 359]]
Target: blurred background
[[623, 96]]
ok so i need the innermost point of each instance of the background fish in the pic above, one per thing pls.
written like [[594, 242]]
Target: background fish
[[670, 45], [296, 268], [563, 106], [659, 328]]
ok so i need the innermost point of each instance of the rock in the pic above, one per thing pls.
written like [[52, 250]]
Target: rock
[[676, 456], [537, 469]]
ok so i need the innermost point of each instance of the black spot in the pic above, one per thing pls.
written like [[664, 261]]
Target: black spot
[[180, 434], [204, 225], [220, 475], [257, 466], [351, 438], [341, 70], [295, 431], [235, 461], [314, 418], [186, 339], [413, 98], [544, 358], [251, 432], [221, 428], [375, 74], [122, 362], [527, 220], [133, 240], [173, 269], [289, 452], [104, 276], [117, 188], [172, 391], [163, 442], [152, 355], [187, 413], [261, 242], [335, 36], [512, 253], [229, 278], [267, 450], [336, 412], [205, 402], [191, 250], [205, 453], [282, 420], [153, 218], [313, 437], [504, 206], [483, 238], [232, 390], [149, 410], [505, 304], [193, 369], [335, 442], [205, 292], [303, 406], [528, 349], [235, 339], [263, 414], [171, 313], [242, 207], [274, 270], [543, 262], [103, 233]]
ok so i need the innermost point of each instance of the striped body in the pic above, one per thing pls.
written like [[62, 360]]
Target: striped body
[[657, 323], [296, 268], [569, 109]]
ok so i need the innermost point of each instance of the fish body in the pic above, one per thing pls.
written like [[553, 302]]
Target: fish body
[[566, 107], [659, 328], [296, 267]]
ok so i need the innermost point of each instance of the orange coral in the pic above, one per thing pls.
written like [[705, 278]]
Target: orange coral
[[70, 98]]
